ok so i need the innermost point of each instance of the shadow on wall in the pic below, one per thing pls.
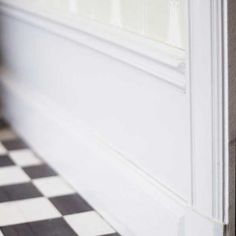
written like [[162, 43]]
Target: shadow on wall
[[1, 66]]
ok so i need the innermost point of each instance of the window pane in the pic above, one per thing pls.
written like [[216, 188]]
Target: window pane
[[159, 20]]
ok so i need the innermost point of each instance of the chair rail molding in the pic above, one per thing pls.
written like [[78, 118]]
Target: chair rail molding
[[160, 60]]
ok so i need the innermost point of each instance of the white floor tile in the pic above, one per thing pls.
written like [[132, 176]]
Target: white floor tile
[[24, 158], [9, 214], [37, 209], [29, 210], [3, 150], [12, 175], [89, 224], [53, 186]]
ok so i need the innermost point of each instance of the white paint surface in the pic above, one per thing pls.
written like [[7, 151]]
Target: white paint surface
[[148, 153]]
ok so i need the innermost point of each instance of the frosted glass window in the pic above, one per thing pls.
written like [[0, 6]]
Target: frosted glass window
[[159, 20]]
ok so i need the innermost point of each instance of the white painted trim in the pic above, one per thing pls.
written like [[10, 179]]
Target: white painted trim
[[48, 112], [226, 139], [162, 61], [206, 83], [143, 199], [91, 137], [218, 108], [204, 90]]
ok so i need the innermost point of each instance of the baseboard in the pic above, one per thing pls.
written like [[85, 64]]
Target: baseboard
[[133, 204], [101, 176]]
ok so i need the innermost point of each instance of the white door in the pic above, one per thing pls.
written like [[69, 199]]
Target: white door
[[146, 101]]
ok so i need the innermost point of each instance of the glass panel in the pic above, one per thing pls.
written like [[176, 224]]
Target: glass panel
[[159, 20]]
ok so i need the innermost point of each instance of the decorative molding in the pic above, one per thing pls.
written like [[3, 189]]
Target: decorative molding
[[206, 83], [163, 62], [218, 109]]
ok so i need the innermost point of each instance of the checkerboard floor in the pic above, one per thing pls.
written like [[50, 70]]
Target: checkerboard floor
[[36, 201]]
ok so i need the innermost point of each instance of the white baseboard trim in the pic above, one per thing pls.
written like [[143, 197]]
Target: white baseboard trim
[[100, 175]]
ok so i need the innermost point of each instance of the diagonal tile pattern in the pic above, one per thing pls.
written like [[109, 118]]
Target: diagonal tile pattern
[[36, 201]]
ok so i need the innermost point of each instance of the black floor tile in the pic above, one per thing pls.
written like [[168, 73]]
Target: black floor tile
[[6, 161], [115, 234], [54, 227], [18, 192], [39, 171], [70, 204], [18, 230], [14, 144]]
